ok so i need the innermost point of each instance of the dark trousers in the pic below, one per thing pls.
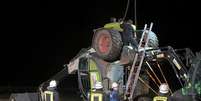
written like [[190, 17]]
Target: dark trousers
[[128, 35]]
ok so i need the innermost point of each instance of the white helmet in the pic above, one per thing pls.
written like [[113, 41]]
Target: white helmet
[[164, 89], [98, 85], [53, 83], [114, 86]]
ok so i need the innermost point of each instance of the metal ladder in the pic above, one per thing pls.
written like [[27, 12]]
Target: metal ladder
[[136, 67]]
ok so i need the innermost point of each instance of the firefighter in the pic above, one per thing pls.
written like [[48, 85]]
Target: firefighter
[[97, 92], [127, 30], [128, 34], [51, 93], [163, 93], [114, 96]]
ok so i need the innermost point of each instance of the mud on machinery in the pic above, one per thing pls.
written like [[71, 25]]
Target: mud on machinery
[[112, 67]]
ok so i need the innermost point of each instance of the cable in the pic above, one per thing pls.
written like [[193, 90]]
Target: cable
[[127, 6], [135, 15], [135, 11]]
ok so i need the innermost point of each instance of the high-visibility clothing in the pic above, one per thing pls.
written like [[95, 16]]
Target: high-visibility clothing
[[160, 98], [114, 25]]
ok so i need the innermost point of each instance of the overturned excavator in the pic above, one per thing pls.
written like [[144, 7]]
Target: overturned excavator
[[136, 75]]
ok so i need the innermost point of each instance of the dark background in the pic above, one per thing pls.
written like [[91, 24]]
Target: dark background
[[39, 37]]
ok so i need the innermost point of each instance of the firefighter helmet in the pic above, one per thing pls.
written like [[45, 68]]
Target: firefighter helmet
[[53, 83], [114, 86], [164, 89], [98, 85]]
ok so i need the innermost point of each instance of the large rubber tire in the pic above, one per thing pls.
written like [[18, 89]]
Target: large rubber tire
[[153, 40], [107, 43]]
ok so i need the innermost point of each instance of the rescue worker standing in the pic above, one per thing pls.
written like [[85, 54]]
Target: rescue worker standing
[[127, 30], [51, 93], [163, 93], [114, 96], [97, 92], [128, 35]]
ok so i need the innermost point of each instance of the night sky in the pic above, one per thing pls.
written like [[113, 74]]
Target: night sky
[[41, 36]]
